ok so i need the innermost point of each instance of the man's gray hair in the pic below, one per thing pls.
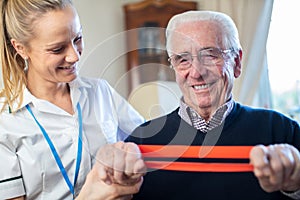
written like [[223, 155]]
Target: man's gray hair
[[227, 26]]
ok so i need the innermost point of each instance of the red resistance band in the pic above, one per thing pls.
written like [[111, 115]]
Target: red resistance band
[[180, 151]]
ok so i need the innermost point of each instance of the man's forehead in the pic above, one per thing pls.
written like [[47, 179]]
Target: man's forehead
[[195, 34], [186, 43]]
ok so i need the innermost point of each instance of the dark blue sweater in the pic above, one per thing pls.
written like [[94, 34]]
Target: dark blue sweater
[[243, 126]]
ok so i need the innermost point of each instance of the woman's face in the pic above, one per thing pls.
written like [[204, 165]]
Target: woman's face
[[56, 47]]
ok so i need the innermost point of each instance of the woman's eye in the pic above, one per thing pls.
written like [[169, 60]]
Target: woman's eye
[[57, 50], [78, 39]]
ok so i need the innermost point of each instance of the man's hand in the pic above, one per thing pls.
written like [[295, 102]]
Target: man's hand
[[120, 163], [116, 175], [277, 167]]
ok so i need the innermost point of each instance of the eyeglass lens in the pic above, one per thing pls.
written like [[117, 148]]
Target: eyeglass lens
[[208, 57]]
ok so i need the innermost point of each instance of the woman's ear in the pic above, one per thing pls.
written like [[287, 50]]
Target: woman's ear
[[20, 48], [238, 64]]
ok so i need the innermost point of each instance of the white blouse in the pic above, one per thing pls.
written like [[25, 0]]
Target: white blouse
[[27, 164]]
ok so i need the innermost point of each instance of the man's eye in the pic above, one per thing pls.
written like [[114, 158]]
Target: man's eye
[[210, 56], [212, 53], [181, 59]]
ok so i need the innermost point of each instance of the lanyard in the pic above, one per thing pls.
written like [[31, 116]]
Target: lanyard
[[55, 154], [181, 151]]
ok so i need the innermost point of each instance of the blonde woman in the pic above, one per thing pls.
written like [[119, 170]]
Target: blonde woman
[[52, 121]]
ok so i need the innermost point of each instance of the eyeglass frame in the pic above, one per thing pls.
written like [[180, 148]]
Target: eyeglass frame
[[221, 55]]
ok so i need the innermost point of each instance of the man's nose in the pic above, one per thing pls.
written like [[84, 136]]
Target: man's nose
[[197, 68]]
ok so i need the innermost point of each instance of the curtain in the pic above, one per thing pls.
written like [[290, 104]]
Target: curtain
[[252, 18]]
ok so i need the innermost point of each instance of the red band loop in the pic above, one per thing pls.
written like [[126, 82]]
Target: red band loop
[[180, 151]]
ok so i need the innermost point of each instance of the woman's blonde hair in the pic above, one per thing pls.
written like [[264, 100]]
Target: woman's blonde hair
[[17, 21]]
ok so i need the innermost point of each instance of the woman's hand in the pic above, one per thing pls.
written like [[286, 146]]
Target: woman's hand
[[96, 189]]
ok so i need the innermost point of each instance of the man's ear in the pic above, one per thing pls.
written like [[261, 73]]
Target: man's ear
[[238, 64], [20, 48]]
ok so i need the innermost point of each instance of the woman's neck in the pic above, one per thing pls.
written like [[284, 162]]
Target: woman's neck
[[57, 94]]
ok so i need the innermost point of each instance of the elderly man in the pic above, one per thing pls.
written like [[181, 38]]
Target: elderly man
[[205, 53]]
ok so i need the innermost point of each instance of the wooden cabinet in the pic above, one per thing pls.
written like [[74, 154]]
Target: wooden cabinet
[[145, 33]]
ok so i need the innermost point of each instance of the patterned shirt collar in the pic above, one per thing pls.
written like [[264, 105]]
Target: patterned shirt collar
[[189, 115]]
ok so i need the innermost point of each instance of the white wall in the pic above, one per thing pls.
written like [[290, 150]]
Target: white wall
[[103, 26]]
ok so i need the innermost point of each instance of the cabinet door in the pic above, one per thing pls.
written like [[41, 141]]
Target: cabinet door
[[146, 21]]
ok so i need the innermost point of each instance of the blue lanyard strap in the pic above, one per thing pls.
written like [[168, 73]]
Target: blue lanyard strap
[[55, 154]]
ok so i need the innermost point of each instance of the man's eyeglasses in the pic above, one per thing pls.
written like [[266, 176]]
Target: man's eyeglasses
[[207, 57]]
